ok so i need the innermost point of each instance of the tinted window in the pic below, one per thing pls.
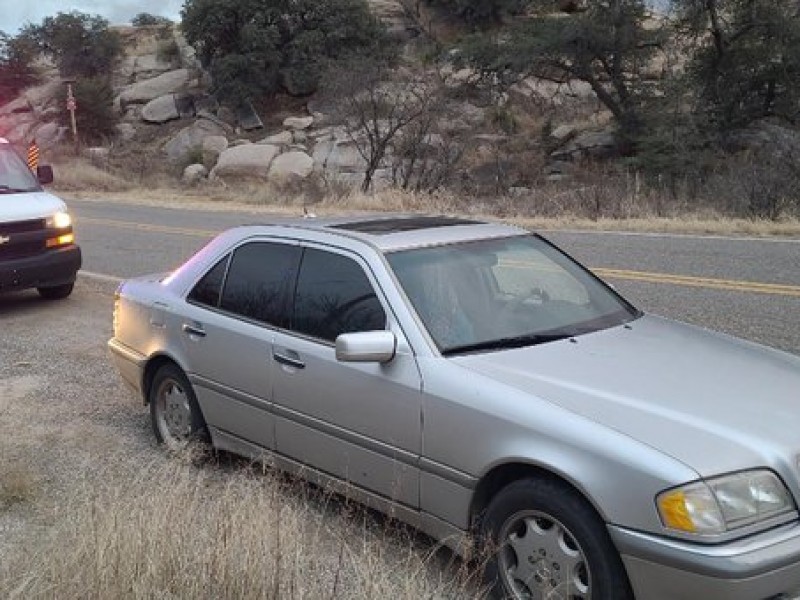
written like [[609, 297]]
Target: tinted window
[[334, 296], [209, 287], [258, 281]]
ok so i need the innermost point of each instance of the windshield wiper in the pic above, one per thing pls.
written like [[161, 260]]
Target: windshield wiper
[[518, 341], [4, 189]]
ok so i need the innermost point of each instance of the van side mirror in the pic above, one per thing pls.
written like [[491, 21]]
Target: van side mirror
[[45, 174]]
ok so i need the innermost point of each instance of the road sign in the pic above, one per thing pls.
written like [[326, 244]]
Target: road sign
[[71, 104]]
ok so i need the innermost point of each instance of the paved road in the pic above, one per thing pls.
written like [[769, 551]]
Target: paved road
[[744, 286]]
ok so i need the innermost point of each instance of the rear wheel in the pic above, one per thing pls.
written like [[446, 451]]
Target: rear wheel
[[548, 542], [56, 292], [174, 412]]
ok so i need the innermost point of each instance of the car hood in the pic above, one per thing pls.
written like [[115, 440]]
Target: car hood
[[29, 205], [714, 402]]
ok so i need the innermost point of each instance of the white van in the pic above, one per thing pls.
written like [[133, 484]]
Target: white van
[[37, 244]]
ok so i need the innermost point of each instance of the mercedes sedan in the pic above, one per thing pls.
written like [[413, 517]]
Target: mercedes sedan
[[474, 381]]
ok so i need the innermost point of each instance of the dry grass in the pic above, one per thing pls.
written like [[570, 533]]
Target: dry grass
[[76, 173], [17, 485], [262, 198], [176, 529]]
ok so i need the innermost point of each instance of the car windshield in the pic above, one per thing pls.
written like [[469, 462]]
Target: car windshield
[[15, 176], [504, 293]]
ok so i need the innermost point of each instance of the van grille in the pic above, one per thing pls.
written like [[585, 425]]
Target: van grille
[[19, 239], [22, 226]]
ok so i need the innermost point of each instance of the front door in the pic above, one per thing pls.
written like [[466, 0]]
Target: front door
[[360, 422]]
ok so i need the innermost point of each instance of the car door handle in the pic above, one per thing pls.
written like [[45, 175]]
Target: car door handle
[[288, 361], [192, 330]]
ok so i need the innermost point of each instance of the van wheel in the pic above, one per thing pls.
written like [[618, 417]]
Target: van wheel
[[546, 541], [56, 292], [174, 412]]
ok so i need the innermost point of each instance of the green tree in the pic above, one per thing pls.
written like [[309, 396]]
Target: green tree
[[482, 12], [257, 47], [96, 118], [82, 45], [144, 19], [745, 61], [16, 66], [608, 46]]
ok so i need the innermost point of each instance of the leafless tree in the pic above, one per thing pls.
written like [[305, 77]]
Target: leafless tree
[[377, 107]]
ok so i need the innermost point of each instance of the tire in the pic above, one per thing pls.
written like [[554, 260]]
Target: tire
[[57, 292], [174, 412], [546, 541]]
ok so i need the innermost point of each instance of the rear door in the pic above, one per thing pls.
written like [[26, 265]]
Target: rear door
[[227, 336], [358, 422]]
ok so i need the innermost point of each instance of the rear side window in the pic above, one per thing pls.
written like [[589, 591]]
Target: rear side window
[[334, 296], [208, 289], [258, 281]]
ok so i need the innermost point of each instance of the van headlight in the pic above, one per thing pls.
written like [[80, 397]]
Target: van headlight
[[60, 220], [715, 506]]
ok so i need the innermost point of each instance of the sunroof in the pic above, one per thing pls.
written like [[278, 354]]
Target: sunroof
[[399, 225]]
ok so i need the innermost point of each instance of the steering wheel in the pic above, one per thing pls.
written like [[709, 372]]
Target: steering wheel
[[535, 296]]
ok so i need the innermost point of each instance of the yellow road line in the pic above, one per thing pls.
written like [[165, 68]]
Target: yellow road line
[[776, 289], [204, 233], [702, 282]]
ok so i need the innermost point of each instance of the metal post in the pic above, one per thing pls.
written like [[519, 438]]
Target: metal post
[[72, 106]]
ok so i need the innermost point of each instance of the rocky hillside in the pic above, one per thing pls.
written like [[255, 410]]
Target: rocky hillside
[[166, 113]]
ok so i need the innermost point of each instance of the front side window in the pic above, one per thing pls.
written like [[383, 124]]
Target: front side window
[[333, 297], [258, 281], [504, 293]]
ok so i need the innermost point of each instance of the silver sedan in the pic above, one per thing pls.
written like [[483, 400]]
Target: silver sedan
[[474, 381]]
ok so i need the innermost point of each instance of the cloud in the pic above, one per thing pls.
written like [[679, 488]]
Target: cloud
[[16, 13]]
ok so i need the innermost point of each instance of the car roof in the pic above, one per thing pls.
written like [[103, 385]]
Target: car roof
[[391, 232]]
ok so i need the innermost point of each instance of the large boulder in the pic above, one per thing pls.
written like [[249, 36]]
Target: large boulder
[[284, 138], [149, 89], [213, 146], [149, 65], [247, 161], [194, 174], [191, 139], [161, 109], [291, 165], [298, 123]]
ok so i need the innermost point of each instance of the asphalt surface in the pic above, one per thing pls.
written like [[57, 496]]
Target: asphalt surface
[[748, 287]]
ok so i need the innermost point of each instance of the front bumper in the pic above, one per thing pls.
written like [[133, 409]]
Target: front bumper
[[48, 269], [760, 567]]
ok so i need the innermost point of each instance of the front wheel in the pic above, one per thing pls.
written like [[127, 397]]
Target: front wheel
[[548, 543], [174, 412]]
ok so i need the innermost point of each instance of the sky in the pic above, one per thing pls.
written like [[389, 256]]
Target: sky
[[16, 13]]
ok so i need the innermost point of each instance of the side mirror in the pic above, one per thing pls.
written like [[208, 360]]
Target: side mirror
[[45, 174], [369, 346]]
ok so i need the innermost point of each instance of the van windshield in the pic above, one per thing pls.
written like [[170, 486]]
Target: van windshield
[[15, 176]]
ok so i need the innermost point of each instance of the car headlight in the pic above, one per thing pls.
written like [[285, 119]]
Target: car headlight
[[60, 220], [721, 504]]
